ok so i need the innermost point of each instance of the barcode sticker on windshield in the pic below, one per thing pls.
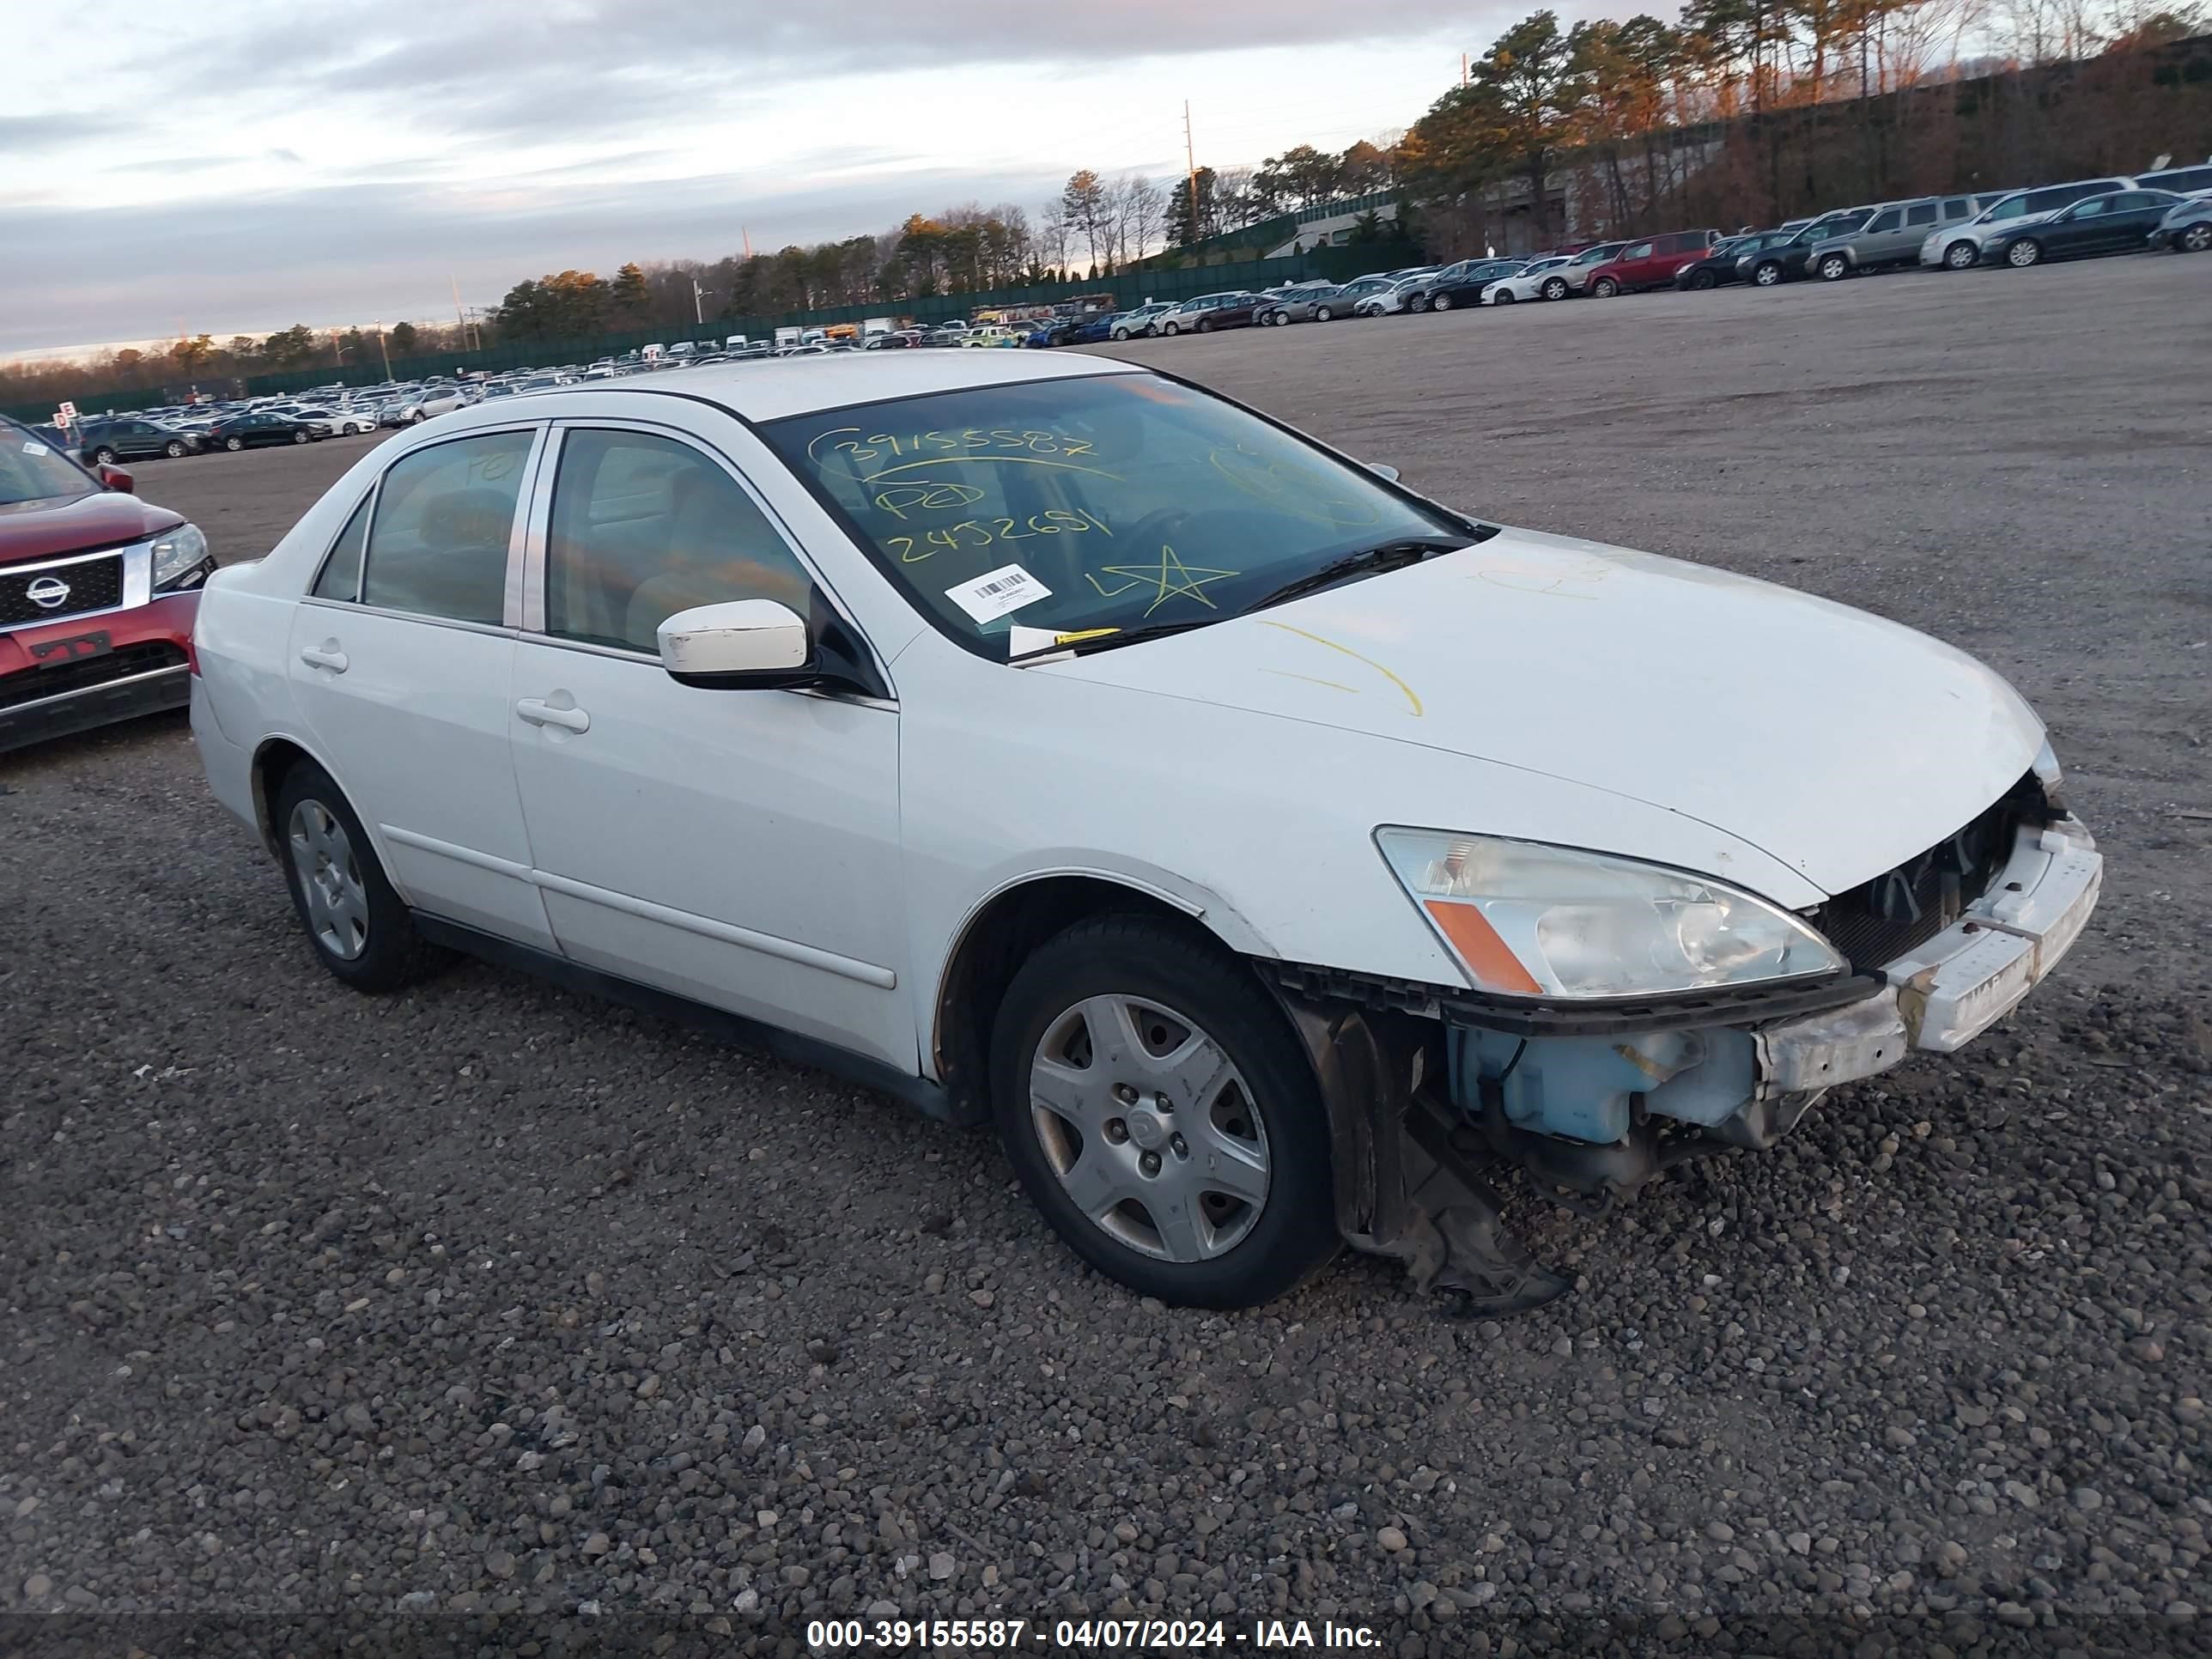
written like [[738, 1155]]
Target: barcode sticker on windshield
[[32, 446], [995, 593]]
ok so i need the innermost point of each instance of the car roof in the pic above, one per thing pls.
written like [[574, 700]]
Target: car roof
[[773, 388]]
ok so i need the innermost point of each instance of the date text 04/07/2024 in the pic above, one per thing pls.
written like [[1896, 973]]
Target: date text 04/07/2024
[[1013, 1635]]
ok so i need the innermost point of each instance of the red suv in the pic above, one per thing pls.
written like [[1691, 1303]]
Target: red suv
[[1650, 262], [98, 591]]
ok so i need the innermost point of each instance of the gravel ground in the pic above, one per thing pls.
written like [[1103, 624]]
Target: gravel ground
[[435, 1315]]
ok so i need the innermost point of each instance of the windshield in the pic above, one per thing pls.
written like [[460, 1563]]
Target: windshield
[[1111, 501], [33, 470]]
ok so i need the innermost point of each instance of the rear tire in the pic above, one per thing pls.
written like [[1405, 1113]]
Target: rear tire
[[1245, 1105], [357, 926], [301, 435]]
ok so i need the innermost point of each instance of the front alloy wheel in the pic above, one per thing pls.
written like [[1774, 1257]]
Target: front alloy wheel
[[2023, 254], [1161, 1115], [233, 444], [300, 436], [1604, 287], [2197, 239], [1767, 275], [1834, 268], [103, 456], [1556, 289], [1323, 313], [1443, 302], [1961, 256]]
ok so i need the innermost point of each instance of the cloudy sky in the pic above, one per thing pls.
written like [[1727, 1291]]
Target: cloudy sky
[[239, 167]]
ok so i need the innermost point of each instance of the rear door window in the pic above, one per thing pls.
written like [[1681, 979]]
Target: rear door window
[[439, 544], [341, 574], [1925, 213]]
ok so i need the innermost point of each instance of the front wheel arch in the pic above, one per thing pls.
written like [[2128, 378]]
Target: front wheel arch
[[1002, 931]]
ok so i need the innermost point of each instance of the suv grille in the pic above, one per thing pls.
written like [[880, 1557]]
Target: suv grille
[[94, 584], [1900, 910], [85, 672]]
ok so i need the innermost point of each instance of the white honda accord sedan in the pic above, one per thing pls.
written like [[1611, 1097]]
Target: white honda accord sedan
[[1275, 855]]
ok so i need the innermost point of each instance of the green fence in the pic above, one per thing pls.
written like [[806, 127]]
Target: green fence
[[1129, 288]]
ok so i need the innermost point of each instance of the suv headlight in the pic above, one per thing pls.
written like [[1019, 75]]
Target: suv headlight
[[1527, 920], [178, 553]]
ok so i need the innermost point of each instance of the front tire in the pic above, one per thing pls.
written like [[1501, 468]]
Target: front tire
[[301, 435], [1206, 325], [1171, 329], [358, 926], [1555, 288], [2197, 239], [1323, 314], [1835, 267], [1418, 302], [1767, 275], [1160, 1115], [1504, 297], [1443, 302], [173, 449], [103, 456], [1604, 287], [2023, 254], [1961, 256], [233, 444], [1702, 280]]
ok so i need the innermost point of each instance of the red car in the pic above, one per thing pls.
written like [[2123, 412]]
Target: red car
[[1650, 263], [98, 590]]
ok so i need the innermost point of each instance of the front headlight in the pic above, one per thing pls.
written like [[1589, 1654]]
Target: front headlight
[[178, 553], [1528, 920]]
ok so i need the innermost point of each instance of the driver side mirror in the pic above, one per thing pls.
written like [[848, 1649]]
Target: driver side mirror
[[739, 645], [1384, 470], [115, 478]]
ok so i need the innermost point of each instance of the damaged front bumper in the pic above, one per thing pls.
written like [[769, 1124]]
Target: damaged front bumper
[[1584, 1111]]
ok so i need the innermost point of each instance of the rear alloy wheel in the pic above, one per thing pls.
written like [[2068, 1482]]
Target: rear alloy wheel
[[300, 435], [2023, 254], [1604, 287], [1767, 275], [2197, 239], [1555, 288], [1834, 268], [174, 449], [360, 928], [1161, 1117], [1961, 256]]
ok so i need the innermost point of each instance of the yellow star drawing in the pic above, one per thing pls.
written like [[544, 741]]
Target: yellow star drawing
[[1174, 578]]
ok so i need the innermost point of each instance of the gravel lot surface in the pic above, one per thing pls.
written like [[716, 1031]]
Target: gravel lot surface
[[487, 1301]]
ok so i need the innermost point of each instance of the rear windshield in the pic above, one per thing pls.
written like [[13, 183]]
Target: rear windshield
[[33, 470]]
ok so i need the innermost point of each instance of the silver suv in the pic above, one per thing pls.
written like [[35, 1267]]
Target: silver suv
[[1958, 247], [1893, 236]]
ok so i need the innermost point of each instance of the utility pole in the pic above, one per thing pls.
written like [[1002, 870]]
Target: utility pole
[[698, 297], [748, 234], [1462, 68], [460, 322], [380, 351], [1190, 163]]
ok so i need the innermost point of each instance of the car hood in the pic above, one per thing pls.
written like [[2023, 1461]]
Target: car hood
[[46, 530], [1838, 743]]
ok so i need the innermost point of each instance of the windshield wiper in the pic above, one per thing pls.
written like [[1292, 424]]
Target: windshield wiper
[[1369, 561], [1084, 643]]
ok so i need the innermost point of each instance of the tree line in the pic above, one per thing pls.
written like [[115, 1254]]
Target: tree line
[[1737, 111]]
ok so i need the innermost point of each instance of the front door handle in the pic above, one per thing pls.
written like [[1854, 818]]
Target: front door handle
[[539, 711], [325, 655]]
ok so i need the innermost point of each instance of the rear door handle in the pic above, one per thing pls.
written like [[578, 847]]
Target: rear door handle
[[325, 655], [539, 711]]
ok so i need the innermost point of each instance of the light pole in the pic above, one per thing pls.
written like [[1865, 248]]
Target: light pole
[[380, 351], [698, 297]]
